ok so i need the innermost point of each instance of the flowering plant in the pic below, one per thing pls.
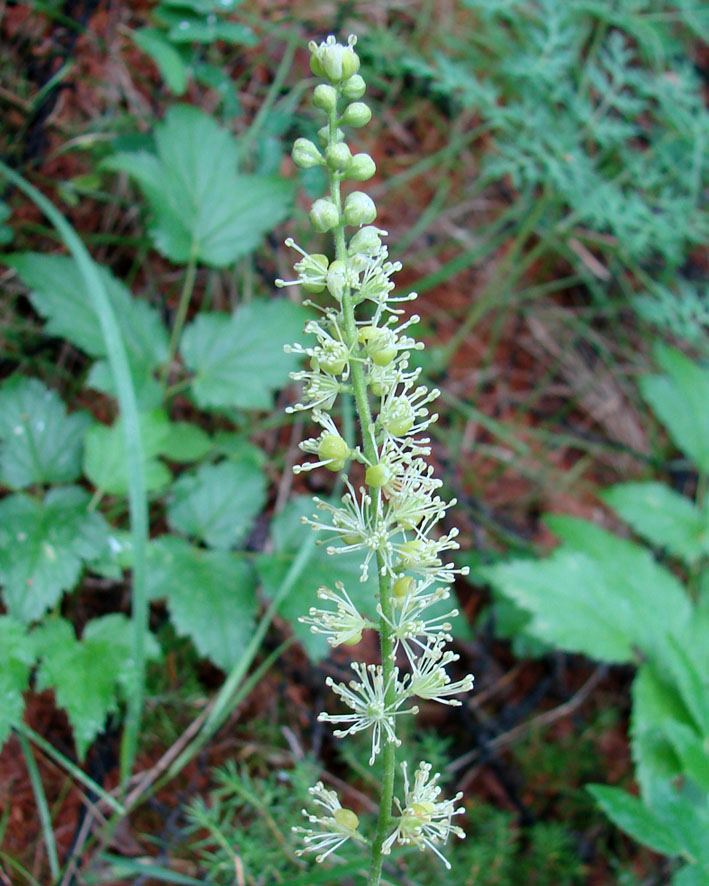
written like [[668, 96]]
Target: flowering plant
[[362, 348]]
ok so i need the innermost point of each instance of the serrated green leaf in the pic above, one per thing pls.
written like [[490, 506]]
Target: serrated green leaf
[[201, 206], [679, 400], [663, 517], [40, 442], [632, 816], [693, 753], [288, 535], [236, 446], [217, 503], [148, 390], [185, 442], [57, 292], [238, 359], [105, 459], [86, 674], [43, 548], [18, 656], [210, 594], [165, 56]]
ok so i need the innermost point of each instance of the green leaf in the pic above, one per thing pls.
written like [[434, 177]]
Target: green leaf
[[185, 442], [632, 816], [165, 56], [43, 548], [40, 442], [18, 656], [210, 594], [238, 359], [105, 458], [236, 446], [691, 875], [58, 293], [86, 674], [217, 503], [211, 29], [663, 517], [288, 535], [693, 753], [679, 400], [201, 206]]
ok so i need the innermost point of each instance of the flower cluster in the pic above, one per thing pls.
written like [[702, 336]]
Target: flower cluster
[[360, 345]]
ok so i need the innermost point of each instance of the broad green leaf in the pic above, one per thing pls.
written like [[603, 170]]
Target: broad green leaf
[[210, 29], [663, 517], [201, 207], [40, 443], [165, 56], [217, 503], [210, 594], [86, 674], [633, 816], [656, 703], [43, 548], [148, 390], [288, 535], [238, 359], [58, 293], [691, 875], [692, 686], [198, 7], [692, 751], [105, 459], [185, 442], [236, 446], [679, 399], [18, 655]]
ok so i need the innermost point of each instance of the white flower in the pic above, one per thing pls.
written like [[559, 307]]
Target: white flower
[[428, 678], [344, 625], [425, 820], [334, 829], [320, 390], [411, 628], [368, 701]]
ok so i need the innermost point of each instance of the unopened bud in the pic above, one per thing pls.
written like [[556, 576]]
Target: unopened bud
[[337, 279], [361, 167], [324, 215], [324, 136], [357, 114], [378, 475], [359, 209], [366, 241], [325, 97], [354, 88], [305, 154], [338, 157]]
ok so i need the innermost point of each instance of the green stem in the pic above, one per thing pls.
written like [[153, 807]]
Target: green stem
[[364, 414], [42, 807], [181, 316]]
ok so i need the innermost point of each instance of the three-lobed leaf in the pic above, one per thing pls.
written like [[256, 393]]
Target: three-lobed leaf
[[217, 503], [238, 359], [39, 442], [201, 207]]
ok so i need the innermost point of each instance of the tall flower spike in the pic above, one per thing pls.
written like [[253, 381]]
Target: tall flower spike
[[360, 345]]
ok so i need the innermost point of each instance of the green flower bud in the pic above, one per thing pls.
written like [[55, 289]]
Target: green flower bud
[[354, 88], [315, 65], [338, 157], [324, 136], [333, 449], [312, 266], [337, 279], [379, 344], [412, 553], [378, 475], [331, 358], [325, 97], [338, 62], [359, 209], [305, 154], [346, 818], [401, 587], [361, 168], [324, 215], [366, 241], [397, 417], [357, 114]]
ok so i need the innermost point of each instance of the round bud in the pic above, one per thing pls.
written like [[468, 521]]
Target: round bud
[[359, 209], [354, 88], [357, 114], [401, 587], [325, 97], [397, 417], [305, 154], [361, 167], [331, 358], [314, 265], [333, 448], [353, 641], [366, 241], [422, 811], [346, 819], [338, 157], [324, 215], [337, 279], [376, 388], [315, 66], [324, 136], [378, 475], [379, 344]]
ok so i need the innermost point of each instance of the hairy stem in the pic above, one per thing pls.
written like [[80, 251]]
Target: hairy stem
[[364, 414]]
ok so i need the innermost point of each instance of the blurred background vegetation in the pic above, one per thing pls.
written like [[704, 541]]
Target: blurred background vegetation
[[542, 171]]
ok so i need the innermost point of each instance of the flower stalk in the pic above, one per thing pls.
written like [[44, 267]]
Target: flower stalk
[[362, 348]]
